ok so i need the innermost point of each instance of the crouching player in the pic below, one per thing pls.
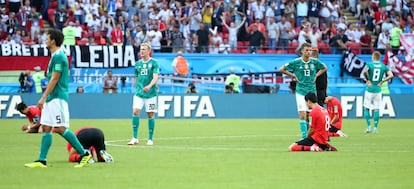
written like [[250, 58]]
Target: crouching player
[[319, 122], [334, 107], [33, 114], [93, 140]]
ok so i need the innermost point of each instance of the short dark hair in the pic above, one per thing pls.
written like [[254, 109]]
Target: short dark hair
[[56, 35], [312, 97], [21, 106]]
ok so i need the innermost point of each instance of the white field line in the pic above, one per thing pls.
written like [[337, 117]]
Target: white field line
[[223, 146]]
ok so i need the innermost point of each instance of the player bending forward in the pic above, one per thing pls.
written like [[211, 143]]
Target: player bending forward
[[317, 139], [334, 107]]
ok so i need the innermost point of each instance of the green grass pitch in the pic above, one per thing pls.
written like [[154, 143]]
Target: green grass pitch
[[210, 154]]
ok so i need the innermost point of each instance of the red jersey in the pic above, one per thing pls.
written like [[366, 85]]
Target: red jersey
[[320, 123], [34, 114], [117, 36], [334, 107]]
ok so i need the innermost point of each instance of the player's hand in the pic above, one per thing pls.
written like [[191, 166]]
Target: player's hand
[[41, 102], [295, 78], [369, 84], [146, 89]]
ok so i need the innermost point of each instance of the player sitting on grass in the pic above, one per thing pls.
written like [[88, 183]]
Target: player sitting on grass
[[334, 107], [33, 114], [317, 139], [92, 139]]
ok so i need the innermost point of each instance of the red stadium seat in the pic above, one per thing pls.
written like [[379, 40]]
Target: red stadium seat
[[262, 51], [282, 52], [292, 47], [270, 51], [240, 44], [355, 47], [324, 48]]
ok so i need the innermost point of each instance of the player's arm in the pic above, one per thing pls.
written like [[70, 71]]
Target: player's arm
[[320, 72], [389, 76], [52, 83], [153, 81], [366, 75], [335, 118], [283, 70]]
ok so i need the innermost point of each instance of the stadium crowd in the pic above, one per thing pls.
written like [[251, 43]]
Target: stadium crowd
[[230, 26]]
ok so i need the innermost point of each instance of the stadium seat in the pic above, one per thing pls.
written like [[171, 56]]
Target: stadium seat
[[355, 47], [262, 51], [292, 47], [282, 52], [324, 48], [270, 51], [240, 44]]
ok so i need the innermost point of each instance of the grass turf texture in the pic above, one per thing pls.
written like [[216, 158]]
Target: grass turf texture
[[208, 154]]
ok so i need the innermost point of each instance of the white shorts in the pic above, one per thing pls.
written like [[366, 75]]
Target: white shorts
[[55, 113], [372, 101], [150, 103], [301, 103]]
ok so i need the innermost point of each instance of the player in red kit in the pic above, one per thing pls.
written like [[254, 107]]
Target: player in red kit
[[33, 114], [92, 139], [334, 107], [317, 139]]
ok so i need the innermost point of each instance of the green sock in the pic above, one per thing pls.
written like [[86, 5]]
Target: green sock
[[151, 125], [135, 126], [45, 145], [73, 140], [367, 117], [303, 128], [376, 118]]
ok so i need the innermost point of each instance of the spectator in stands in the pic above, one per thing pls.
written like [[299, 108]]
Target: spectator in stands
[[12, 23], [395, 37], [117, 37], [366, 42], [26, 40], [256, 40], [34, 18], [273, 33], [191, 89], [383, 41], [235, 79], [229, 88], [110, 83], [303, 37], [37, 78], [17, 36], [225, 47], [207, 13], [202, 39], [176, 40], [314, 36], [95, 23], [22, 19], [180, 66], [313, 11], [301, 11], [195, 18], [79, 90], [69, 33], [289, 13], [338, 43], [61, 19], [155, 37], [14, 5], [284, 37], [326, 12], [233, 29], [218, 11]]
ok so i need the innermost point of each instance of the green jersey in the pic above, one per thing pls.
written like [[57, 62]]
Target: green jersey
[[376, 71], [305, 72], [145, 71], [59, 63]]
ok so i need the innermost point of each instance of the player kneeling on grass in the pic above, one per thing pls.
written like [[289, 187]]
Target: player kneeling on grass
[[33, 114], [334, 107], [92, 139], [317, 139]]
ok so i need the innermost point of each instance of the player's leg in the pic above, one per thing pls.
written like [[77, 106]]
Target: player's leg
[[306, 144], [151, 108], [99, 145], [302, 108], [137, 105], [332, 131], [367, 107], [376, 106]]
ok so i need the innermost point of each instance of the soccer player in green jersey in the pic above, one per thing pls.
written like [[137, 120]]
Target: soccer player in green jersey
[[304, 70], [54, 103], [146, 77], [374, 75]]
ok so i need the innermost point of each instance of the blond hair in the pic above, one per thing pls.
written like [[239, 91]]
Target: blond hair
[[147, 45], [376, 55]]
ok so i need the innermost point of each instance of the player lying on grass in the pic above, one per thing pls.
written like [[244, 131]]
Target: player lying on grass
[[92, 139], [317, 139], [334, 107], [33, 114]]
